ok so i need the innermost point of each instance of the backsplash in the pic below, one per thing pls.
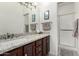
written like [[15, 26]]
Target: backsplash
[[67, 52]]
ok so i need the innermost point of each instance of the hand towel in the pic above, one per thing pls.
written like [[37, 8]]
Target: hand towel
[[76, 28]]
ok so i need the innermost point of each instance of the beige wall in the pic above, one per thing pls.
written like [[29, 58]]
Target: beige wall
[[11, 18]]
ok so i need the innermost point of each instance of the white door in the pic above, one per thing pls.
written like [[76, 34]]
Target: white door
[[66, 22]]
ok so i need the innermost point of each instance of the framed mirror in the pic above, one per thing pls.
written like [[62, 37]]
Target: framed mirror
[[46, 15]]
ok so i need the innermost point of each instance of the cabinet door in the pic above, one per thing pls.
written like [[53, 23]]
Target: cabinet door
[[33, 49], [29, 49], [11, 53], [20, 51], [15, 52], [48, 44], [39, 54], [39, 50], [44, 46], [39, 47]]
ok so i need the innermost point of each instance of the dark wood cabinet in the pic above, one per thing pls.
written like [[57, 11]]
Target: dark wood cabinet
[[11, 53], [46, 45], [20, 51], [14, 52], [29, 49], [38, 42], [39, 51], [39, 54], [39, 47]]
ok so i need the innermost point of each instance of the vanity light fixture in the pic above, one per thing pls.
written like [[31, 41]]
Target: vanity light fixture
[[29, 4]]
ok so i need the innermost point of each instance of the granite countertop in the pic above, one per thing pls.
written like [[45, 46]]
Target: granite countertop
[[9, 44]]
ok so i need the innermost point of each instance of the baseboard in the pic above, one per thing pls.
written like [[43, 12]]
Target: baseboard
[[67, 51], [51, 54]]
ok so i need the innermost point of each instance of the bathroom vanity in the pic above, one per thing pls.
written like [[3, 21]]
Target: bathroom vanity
[[31, 45]]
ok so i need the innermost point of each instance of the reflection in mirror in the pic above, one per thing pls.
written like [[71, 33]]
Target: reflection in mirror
[[46, 15], [33, 27], [26, 20], [33, 17]]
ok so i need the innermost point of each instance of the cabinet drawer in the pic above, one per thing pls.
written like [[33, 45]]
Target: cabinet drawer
[[39, 42]]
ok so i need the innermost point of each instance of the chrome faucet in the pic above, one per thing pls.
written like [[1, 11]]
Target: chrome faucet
[[6, 36]]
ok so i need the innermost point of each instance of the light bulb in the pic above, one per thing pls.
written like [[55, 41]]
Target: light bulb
[[35, 3]]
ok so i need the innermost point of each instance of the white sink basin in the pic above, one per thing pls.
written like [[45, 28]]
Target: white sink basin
[[11, 43]]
